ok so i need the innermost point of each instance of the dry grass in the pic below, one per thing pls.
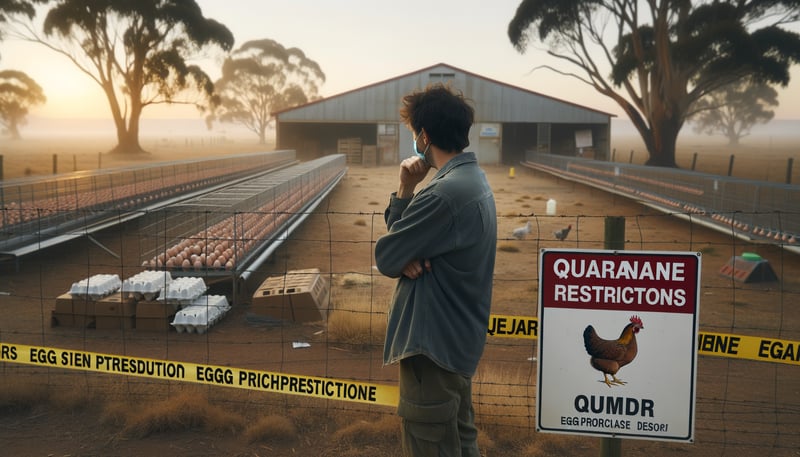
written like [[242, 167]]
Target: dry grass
[[271, 428], [506, 246], [187, 410], [18, 394]]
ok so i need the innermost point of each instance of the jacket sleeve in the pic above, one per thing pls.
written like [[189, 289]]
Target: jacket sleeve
[[419, 231]]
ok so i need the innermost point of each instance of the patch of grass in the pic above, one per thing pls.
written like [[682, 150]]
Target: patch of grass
[[551, 445], [357, 318], [351, 280], [507, 247], [187, 410], [360, 222], [271, 428], [374, 203], [20, 395], [708, 250], [364, 432]]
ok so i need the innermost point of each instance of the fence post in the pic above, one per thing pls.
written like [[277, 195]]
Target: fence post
[[615, 233], [55, 164], [630, 160], [614, 239], [789, 164], [694, 160], [1, 167], [99, 160], [614, 155], [74, 162], [730, 165]]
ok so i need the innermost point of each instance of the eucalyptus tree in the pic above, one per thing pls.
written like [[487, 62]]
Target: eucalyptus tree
[[655, 59], [260, 78], [734, 110], [138, 52], [18, 92]]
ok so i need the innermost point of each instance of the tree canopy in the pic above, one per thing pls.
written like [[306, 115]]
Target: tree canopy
[[655, 59], [10, 8], [137, 52], [18, 92], [734, 110], [262, 77]]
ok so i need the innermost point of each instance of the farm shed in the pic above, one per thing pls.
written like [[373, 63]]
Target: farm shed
[[364, 123]]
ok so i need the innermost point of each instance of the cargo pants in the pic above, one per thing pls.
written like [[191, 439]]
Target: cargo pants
[[436, 411]]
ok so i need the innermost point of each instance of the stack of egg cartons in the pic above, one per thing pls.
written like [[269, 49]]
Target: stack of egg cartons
[[112, 311], [77, 307], [201, 313], [182, 291], [146, 287], [95, 287]]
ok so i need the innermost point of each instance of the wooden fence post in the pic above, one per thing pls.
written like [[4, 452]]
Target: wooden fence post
[[614, 239]]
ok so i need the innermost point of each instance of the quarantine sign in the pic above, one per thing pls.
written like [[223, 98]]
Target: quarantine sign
[[618, 343]]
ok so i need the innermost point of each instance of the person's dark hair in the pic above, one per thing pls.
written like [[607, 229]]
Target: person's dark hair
[[443, 113]]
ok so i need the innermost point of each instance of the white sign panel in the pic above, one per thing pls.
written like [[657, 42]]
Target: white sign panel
[[617, 343], [490, 130]]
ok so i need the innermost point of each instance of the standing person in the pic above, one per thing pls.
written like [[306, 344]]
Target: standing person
[[441, 246]]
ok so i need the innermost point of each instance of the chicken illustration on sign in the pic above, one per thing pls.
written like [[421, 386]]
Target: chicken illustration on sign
[[608, 356]]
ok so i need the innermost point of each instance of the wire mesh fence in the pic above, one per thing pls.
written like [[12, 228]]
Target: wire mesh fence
[[251, 358]]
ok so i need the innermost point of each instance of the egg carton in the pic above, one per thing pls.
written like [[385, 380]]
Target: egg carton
[[96, 287], [183, 290], [146, 285], [201, 314]]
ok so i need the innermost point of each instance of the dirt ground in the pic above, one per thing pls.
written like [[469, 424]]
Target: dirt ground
[[333, 240]]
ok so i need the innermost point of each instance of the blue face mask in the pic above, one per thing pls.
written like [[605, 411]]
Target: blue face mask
[[419, 154]]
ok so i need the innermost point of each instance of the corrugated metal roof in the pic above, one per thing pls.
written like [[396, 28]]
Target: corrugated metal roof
[[494, 101]]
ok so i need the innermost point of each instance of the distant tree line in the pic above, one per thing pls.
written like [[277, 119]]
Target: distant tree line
[[139, 52]]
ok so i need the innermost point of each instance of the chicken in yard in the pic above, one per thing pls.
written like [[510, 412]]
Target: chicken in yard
[[608, 356], [521, 232], [562, 234]]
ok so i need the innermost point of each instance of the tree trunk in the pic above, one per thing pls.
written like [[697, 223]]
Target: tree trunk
[[128, 135], [661, 146], [127, 143], [13, 130]]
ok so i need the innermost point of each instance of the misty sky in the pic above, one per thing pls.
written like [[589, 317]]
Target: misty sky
[[356, 42]]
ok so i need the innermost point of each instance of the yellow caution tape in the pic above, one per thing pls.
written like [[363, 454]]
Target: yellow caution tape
[[265, 381], [749, 347], [712, 344]]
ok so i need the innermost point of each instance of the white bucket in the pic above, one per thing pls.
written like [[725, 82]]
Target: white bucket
[[551, 207]]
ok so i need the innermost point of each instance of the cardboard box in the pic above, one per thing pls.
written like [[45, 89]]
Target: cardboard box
[[61, 319], [297, 296], [64, 304], [71, 320], [83, 306], [115, 305], [153, 324], [155, 309], [115, 322]]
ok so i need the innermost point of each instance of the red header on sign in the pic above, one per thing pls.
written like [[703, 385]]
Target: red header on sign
[[616, 280]]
